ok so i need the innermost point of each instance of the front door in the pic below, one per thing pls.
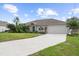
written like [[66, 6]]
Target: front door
[[33, 28]]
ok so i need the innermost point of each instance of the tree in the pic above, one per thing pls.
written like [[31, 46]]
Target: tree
[[12, 27], [73, 24], [18, 27], [16, 22], [24, 28]]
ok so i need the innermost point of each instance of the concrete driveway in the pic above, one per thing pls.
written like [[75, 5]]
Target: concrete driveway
[[29, 46]]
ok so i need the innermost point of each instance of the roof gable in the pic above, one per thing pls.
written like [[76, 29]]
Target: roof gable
[[47, 22]]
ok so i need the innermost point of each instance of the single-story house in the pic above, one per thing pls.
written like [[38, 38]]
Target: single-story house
[[51, 26], [3, 26]]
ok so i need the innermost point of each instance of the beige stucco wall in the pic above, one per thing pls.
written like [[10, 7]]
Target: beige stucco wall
[[37, 28], [3, 28]]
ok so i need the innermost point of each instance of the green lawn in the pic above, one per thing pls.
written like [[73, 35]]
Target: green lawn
[[68, 48], [16, 36]]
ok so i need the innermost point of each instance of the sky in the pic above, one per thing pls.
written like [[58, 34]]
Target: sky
[[34, 11]]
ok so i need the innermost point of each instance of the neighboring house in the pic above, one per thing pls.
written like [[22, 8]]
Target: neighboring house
[[3, 26], [51, 26]]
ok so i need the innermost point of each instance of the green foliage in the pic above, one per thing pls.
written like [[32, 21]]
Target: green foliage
[[12, 27], [73, 23], [16, 22], [18, 27], [23, 28]]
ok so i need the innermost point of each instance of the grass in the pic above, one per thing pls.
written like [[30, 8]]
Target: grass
[[16, 36], [68, 48]]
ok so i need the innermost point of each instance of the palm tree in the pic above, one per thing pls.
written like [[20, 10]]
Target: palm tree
[[16, 21]]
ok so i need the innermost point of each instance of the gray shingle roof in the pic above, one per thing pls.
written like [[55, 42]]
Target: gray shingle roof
[[3, 23], [47, 22]]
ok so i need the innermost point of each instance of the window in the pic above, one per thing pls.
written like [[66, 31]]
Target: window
[[41, 28]]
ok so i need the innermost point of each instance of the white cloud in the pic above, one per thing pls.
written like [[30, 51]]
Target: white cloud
[[40, 11], [70, 13], [74, 11], [69, 17], [26, 15], [15, 15], [51, 12], [44, 12], [11, 8], [63, 18], [29, 19]]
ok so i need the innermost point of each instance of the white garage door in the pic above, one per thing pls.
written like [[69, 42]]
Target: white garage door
[[57, 29]]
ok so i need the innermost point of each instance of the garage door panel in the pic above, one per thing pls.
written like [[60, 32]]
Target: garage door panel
[[58, 29]]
